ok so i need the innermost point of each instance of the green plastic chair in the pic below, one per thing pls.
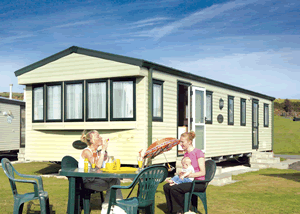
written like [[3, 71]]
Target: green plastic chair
[[148, 180], [210, 168], [20, 199], [85, 194]]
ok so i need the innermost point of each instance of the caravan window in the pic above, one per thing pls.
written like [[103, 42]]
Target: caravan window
[[266, 115], [74, 101], [122, 98], [243, 112], [38, 103], [54, 102], [96, 100], [157, 97], [230, 110], [209, 105]]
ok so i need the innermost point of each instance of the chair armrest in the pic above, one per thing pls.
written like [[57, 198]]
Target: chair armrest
[[120, 187], [39, 178], [35, 184], [201, 181]]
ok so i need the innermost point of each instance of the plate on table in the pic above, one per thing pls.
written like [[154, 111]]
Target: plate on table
[[122, 169]]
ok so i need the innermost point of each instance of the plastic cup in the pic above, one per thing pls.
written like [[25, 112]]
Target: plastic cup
[[109, 166], [118, 164], [140, 162]]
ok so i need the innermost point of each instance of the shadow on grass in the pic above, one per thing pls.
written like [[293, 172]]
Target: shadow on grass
[[163, 207], [50, 169], [289, 176], [31, 205]]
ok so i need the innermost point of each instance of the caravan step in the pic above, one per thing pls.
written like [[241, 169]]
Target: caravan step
[[222, 179], [259, 166], [262, 155], [264, 160]]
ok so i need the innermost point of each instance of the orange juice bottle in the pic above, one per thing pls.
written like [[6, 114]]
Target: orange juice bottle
[[86, 165]]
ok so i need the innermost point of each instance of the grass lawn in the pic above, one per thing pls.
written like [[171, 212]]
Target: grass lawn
[[286, 136], [264, 191]]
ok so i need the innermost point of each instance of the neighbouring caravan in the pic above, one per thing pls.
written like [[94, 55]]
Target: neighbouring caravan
[[134, 102], [12, 125]]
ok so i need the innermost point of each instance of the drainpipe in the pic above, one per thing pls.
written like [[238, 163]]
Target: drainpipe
[[150, 100], [10, 92]]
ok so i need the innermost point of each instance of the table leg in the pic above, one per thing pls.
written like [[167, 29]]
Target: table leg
[[74, 196], [71, 202]]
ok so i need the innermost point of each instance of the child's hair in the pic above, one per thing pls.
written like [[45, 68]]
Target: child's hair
[[190, 135], [187, 160], [87, 136]]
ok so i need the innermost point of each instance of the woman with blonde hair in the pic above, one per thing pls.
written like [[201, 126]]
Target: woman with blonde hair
[[93, 141], [175, 193]]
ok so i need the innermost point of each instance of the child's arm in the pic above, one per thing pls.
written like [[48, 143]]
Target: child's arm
[[186, 174]]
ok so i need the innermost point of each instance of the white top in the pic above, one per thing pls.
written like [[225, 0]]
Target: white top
[[189, 169], [81, 160]]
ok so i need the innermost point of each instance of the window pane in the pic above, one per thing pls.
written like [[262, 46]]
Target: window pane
[[74, 101], [123, 99], [208, 107], [266, 115], [97, 100], [38, 103], [54, 102], [231, 110], [199, 140], [243, 112], [157, 100], [199, 110]]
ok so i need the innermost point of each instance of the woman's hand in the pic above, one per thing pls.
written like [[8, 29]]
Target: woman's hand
[[105, 145]]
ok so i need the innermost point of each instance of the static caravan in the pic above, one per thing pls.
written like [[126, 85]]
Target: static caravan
[[12, 125], [134, 102]]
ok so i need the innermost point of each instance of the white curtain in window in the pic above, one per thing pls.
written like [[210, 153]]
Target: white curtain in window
[[266, 115], [97, 100], [74, 101], [243, 112], [231, 110], [38, 103], [123, 99], [54, 102], [157, 100], [208, 107]]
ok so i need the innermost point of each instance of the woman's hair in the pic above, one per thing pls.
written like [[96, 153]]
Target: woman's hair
[[86, 137], [190, 135]]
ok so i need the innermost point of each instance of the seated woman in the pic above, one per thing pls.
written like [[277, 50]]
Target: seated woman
[[175, 193], [94, 140]]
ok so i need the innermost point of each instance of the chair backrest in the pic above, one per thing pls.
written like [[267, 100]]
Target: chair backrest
[[9, 171], [210, 168], [148, 180], [68, 162]]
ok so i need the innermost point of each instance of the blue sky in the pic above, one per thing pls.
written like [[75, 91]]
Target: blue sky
[[253, 44]]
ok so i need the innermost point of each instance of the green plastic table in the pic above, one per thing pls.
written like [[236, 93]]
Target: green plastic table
[[74, 174]]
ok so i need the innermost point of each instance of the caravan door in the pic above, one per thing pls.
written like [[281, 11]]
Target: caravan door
[[198, 116]]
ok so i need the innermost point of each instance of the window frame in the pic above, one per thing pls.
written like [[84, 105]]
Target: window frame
[[243, 100], [158, 82], [211, 107], [87, 96], [230, 97], [112, 80], [61, 101], [266, 125], [65, 101], [33, 87]]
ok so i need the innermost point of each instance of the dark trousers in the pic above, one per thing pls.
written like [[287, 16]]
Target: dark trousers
[[175, 195]]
